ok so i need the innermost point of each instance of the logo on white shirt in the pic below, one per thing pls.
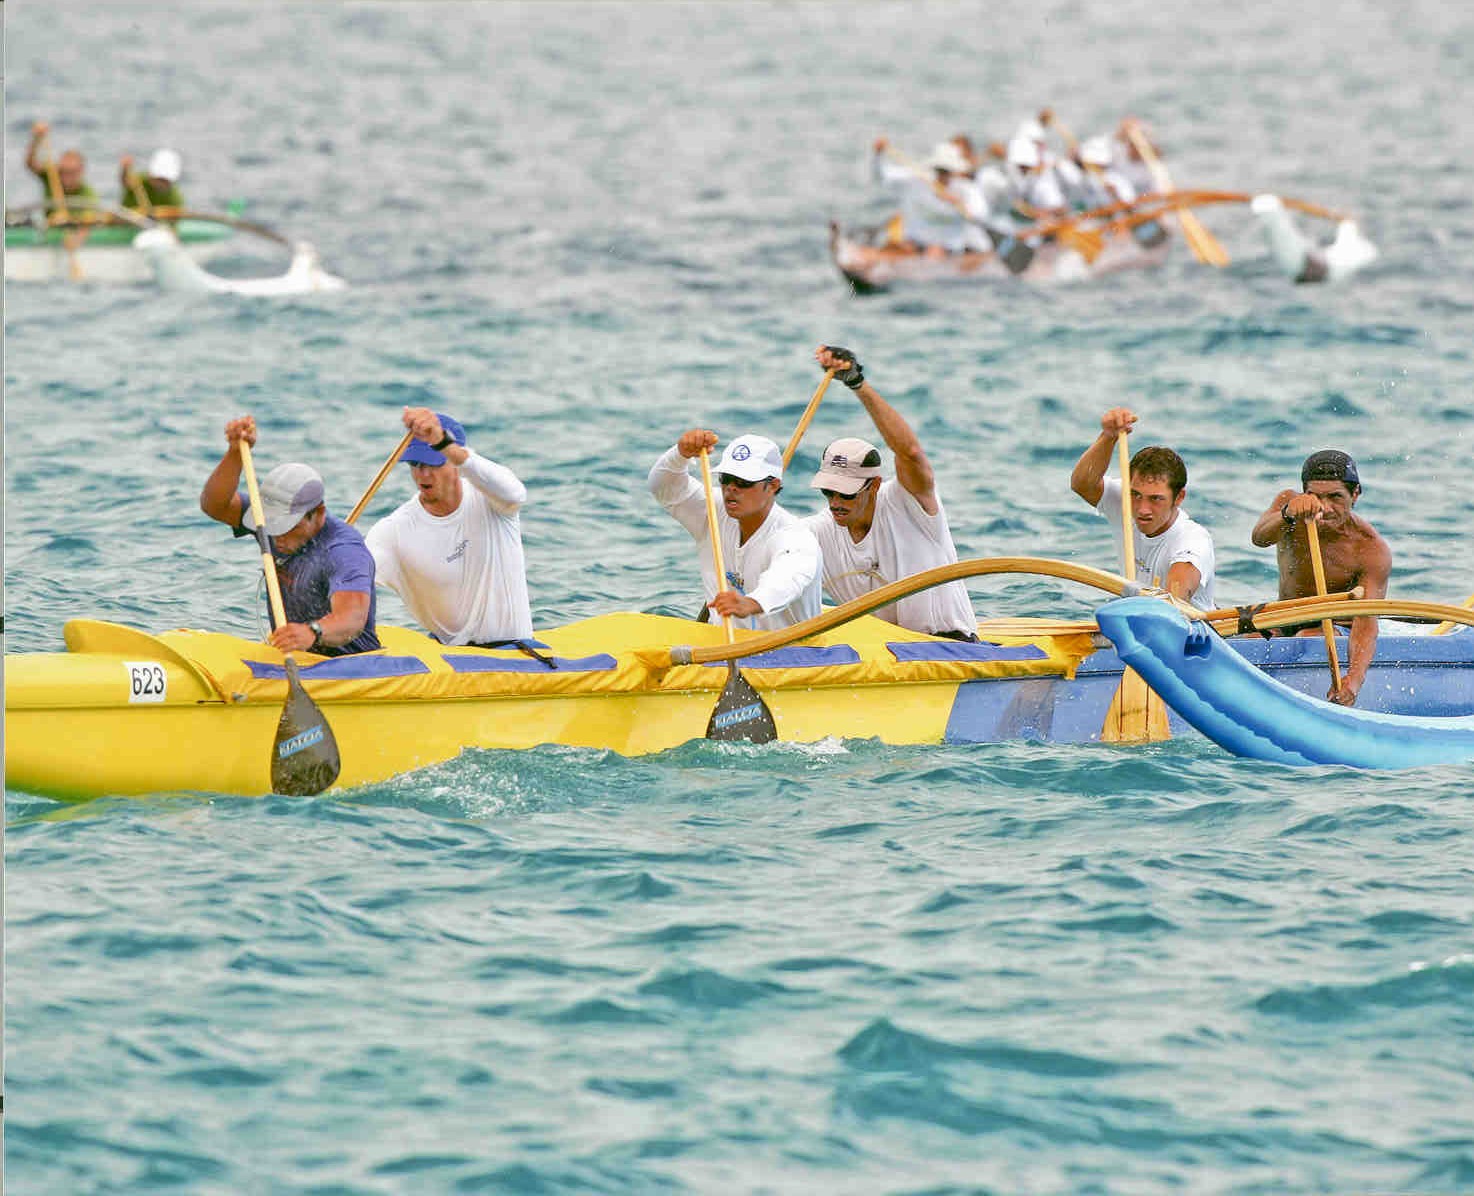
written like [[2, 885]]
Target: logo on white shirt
[[459, 552]]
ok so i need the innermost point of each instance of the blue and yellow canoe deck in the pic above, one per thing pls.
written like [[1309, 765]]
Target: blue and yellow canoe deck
[[124, 712]]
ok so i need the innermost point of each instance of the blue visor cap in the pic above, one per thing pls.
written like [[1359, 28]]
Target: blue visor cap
[[420, 453]]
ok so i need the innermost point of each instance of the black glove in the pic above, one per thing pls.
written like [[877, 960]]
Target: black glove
[[853, 377]]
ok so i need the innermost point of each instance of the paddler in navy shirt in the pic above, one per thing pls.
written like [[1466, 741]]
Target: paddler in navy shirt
[[325, 569]]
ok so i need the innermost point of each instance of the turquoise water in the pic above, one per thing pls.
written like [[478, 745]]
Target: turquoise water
[[838, 968]]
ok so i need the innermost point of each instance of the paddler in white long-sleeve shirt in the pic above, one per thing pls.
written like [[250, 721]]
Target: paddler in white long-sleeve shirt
[[772, 560], [941, 208], [453, 552]]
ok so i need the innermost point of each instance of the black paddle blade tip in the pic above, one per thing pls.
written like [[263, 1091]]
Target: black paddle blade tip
[[741, 714], [304, 755]]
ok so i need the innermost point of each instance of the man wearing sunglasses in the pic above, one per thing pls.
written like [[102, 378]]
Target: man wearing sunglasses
[[877, 531], [771, 558]]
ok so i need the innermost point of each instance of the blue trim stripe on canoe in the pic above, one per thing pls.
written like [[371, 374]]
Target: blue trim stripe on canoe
[[957, 650], [794, 658], [361, 667], [525, 664]]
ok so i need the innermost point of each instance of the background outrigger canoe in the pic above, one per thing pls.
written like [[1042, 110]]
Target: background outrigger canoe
[[38, 251], [869, 264]]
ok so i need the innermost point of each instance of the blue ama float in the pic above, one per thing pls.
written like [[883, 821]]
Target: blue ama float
[[1247, 712]]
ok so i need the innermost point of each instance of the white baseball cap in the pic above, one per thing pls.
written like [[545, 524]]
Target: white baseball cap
[[946, 156], [848, 463], [751, 458], [1096, 151], [165, 164], [287, 493], [1023, 152]]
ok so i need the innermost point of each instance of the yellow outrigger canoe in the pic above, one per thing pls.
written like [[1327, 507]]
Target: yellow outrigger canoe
[[126, 712], [123, 711]]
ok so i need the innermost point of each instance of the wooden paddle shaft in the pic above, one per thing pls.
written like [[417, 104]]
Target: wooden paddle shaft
[[715, 531], [53, 179], [1203, 244], [145, 205], [1128, 540], [1328, 629], [806, 418], [268, 563], [379, 478]]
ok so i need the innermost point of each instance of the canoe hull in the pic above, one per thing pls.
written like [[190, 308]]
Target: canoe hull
[[870, 267], [107, 255], [124, 712], [1250, 713]]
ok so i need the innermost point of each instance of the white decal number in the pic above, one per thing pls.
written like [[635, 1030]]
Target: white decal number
[[147, 681]]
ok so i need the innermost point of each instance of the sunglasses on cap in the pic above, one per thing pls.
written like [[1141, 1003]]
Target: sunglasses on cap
[[731, 479]]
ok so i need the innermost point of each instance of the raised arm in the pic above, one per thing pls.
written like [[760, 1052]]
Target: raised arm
[[221, 499], [913, 470], [1087, 479], [33, 151]]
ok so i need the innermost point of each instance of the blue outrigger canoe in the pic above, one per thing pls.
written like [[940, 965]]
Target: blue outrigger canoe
[[1264, 699]]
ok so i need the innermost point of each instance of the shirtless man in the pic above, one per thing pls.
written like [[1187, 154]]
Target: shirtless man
[[1352, 552]]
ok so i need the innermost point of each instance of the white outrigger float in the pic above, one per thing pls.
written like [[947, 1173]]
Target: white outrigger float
[[169, 247]]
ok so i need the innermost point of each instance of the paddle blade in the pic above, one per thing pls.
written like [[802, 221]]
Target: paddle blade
[[1086, 242], [740, 713], [304, 755], [1136, 714], [1015, 254]]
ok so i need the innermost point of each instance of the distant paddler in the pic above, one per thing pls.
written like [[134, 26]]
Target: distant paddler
[[942, 209], [877, 530], [1127, 156], [63, 178], [1352, 552], [453, 552], [773, 568], [157, 187], [1100, 184], [1172, 551], [1036, 189], [325, 570]]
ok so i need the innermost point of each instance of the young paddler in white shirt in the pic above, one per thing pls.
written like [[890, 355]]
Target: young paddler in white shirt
[[453, 552], [771, 558], [879, 530], [1172, 551]]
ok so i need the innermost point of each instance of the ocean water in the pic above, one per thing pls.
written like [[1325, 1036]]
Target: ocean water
[[843, 967]]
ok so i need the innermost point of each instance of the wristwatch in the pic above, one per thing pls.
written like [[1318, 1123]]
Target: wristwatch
[[316, 628]]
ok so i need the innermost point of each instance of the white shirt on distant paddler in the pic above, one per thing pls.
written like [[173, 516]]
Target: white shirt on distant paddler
[[1185, 540], [926, 217], [778, 567], [463, 575], [903, 541]]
